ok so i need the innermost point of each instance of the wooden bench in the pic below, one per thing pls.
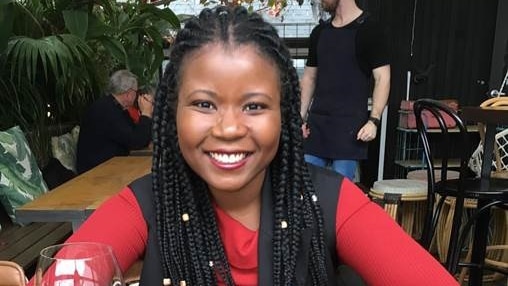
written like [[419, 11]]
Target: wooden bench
[[22, 244]]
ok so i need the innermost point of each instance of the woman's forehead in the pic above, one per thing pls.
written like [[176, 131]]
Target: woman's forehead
[[229, 48]]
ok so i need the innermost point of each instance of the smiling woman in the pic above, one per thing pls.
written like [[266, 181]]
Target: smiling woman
[[229, 103], [230, 200]]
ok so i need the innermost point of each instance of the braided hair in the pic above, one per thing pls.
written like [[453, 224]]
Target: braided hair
[[189, 240]]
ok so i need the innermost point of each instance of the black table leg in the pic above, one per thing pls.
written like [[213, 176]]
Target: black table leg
[[482, 225]]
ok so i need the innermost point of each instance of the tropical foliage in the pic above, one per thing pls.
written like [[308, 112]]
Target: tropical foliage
[[56, 56]]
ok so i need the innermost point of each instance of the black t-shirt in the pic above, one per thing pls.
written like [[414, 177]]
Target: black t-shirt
[[372, 48], [345, 57]]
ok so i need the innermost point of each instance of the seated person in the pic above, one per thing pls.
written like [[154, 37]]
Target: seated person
[[107, 130]]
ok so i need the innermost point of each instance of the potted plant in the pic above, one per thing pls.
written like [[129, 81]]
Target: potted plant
[[56, 57]]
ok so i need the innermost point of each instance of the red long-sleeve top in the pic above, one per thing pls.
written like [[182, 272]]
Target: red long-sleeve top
[[368, 240]]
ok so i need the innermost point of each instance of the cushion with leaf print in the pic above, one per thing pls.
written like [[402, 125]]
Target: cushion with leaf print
[[20, 178], [64, 148]]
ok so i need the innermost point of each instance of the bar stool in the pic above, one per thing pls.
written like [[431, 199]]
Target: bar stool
[[422, 175], [459, 192], [444, 224], [497, 250], [436, 244], [406, 194]]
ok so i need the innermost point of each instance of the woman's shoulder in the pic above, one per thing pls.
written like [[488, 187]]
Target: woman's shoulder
[[327, 185], [319, 173], [324, 180], [336, 192], [141, 188]]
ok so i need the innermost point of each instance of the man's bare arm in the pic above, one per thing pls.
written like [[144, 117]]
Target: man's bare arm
[[307, 85], [381, 90]]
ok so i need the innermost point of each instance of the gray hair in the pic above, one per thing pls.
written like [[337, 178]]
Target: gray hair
[[121, 81]]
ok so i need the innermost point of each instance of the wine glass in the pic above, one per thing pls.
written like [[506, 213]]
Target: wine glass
[[80, 263]]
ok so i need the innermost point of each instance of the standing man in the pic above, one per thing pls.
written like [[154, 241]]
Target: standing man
[[107, 130], [344, 53]]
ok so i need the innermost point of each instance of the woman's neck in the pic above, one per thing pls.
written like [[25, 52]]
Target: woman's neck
[[243, 205]]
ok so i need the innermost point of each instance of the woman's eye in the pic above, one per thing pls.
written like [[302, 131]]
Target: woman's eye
[[203, 104], [254, 106]]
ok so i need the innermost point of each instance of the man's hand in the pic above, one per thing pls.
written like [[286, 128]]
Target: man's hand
[[305, 130], [367, 132], [145, 103]]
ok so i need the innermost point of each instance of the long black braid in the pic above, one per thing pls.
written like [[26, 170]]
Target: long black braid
[[191, 248]]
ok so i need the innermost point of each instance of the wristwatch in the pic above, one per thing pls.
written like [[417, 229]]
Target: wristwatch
[[374, 120]]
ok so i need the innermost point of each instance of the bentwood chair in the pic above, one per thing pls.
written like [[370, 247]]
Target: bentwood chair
[[133, 274], [11, 274], [465, 187]]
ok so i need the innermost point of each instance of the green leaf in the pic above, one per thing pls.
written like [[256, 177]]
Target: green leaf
[[97, 28], [155, 35], [123, 18], [114, 47], [21, 105], [56, 54], [76, 22], [166, 14], [158, 55], [108, 6], [6, 21], [138, 21], [11, 49]]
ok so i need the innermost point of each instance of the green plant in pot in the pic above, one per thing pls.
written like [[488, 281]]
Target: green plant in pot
[[43, 69], [56, 57], [130, 34]]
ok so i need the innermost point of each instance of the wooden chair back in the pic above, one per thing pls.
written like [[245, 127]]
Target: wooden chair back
[[11, 274]]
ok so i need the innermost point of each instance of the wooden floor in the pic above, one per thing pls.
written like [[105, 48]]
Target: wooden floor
[[502, 282]]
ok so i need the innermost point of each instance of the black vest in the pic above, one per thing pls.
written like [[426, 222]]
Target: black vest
[[327, 185]]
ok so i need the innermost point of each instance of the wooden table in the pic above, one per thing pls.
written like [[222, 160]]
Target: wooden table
[[491, 117], [148, 151], [76, 199]]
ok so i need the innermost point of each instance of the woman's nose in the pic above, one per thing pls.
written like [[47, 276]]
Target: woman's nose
[[230, 124]]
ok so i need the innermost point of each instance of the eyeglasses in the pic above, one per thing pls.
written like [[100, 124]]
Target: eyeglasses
[[136, 91]]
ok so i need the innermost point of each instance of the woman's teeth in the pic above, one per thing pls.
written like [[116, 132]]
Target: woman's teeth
[[228, 158]]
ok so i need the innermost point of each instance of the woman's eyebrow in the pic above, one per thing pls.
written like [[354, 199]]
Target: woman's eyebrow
[[256, 94], [205, 91]]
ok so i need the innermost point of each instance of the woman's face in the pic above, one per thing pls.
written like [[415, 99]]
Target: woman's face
[[228, 116]]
